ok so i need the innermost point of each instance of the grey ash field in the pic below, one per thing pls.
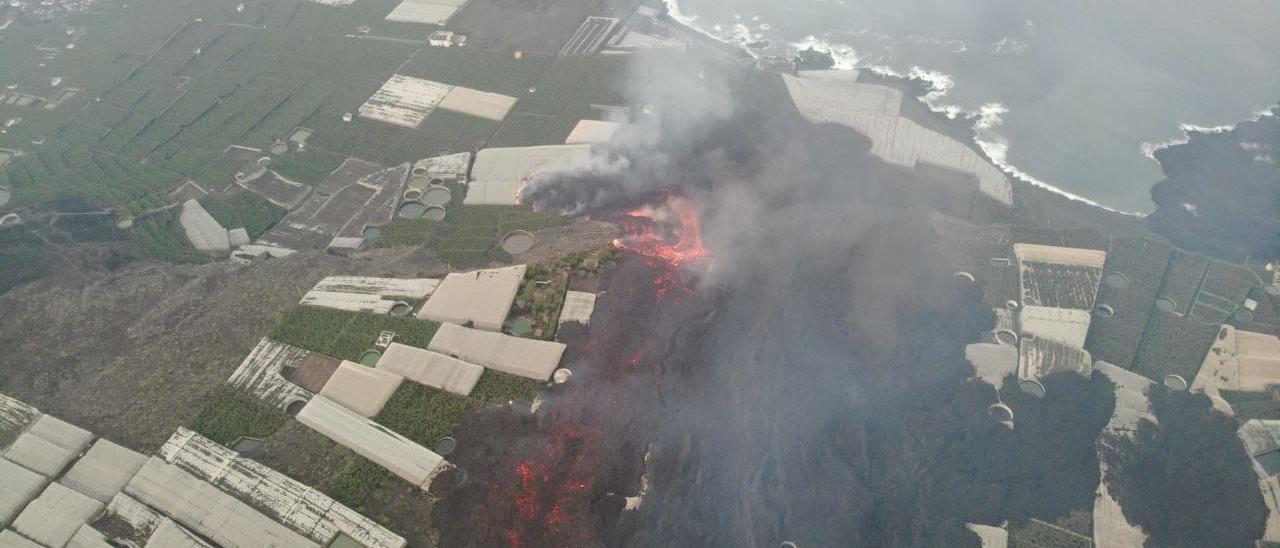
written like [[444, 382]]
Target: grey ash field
[[116, 117]]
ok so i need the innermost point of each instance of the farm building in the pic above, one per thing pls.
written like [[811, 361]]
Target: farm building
[[365, 294], [202, 229], [446, 39], [481, 298], [1261, 440], [527, 358], [1040, 357], [1240, 360], [592, 132], [874, 111], [431, 368], [355, 196], [208, 511], [404, 101], [500, 173], [56, 515], [21, 486], [48, 446], [578, 307], [441, 169], [482, 104], [103, 471], [261, 374], [427, 12], [301, 508], [398, 454], [362, 389]]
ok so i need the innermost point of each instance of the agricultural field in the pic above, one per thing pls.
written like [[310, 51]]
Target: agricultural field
[[230, 415], [469, 237], [1143, 263], [346, 335], [243, 209]]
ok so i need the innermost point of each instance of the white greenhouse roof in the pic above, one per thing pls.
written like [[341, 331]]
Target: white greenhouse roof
[[481, 104], [21, 486], [398, 454], [1241, 360], [412, 288], [261, 373], [202, 229], [1091, 258], [592, 132], [481, 298], [1069, 326], [427, 12], [514, 355], [88, 537], [500, 173], [10, 539], [431, 368], [297, 506], [1040, 357], [104, 470], [48, 446], [208, 511], [362, 389], [15, 415], [350, 302], [404, 101], [578, 307], [171, 535], [55, 516]]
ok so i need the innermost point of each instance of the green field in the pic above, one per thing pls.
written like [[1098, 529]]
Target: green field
[[346, 335]]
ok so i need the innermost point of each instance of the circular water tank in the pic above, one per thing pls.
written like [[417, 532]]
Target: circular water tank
[[1031, 301], [1106, 311], [1165, 304], [517, 242], [435, 213], [401, 308], [444, 446], [1175, 382], [10, 220], [295, 407], [965, 276], [124, 223], [420, 171], [562, 375], [1032, 387], [1011, 304], [279, 148], [412, 194], [1116, 280], [372, 233], [437, 195], [1000, 412], [419, 182], [1006, 337], [412, 210]]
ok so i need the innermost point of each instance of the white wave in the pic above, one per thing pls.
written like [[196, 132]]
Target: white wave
[[690, 21], [845, 57], [997, 150], [1149, 149]]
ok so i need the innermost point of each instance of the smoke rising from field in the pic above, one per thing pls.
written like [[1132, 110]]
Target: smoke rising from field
[[807, 382]]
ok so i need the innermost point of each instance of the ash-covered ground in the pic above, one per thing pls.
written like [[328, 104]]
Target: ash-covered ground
[[794, 371]]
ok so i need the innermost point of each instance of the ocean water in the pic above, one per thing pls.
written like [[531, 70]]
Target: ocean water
[[1072, 95]]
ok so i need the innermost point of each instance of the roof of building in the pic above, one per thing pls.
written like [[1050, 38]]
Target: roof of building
[[208, 511], [350, 302], [362, 389], [202, 229], [48, 446], [14, 417], [481, 298], [481, 104], [1041, 357], [412, 288], [88, 537], [171, 535], [21, 486], [446, 168], [103, 471], [1069, 256], [428, 12], [431, 368], [261, 373], [10, 539], [513, 355], [1070, 326], [55, 516], [299, 507], [404, 101], [500, 173], [398, 454], [592, 132], [578, 307]]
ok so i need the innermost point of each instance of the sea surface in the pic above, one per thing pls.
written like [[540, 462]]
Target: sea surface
[[1072, 95]]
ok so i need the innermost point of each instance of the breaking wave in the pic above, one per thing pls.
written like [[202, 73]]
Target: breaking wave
[[1150, 149]]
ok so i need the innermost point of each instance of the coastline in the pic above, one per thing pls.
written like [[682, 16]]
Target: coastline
[[929, 88]]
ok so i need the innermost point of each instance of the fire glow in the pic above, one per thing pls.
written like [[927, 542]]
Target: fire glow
[[641, 234]]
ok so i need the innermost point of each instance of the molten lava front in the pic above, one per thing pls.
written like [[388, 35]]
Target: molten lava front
[[670, 237]]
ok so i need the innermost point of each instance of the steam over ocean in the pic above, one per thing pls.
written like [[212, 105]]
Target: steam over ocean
[[1075, 95]]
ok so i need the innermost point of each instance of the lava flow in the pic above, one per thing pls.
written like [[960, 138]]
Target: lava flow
[[670, 237]]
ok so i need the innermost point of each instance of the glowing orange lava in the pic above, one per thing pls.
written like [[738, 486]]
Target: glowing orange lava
[[641, 236]]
